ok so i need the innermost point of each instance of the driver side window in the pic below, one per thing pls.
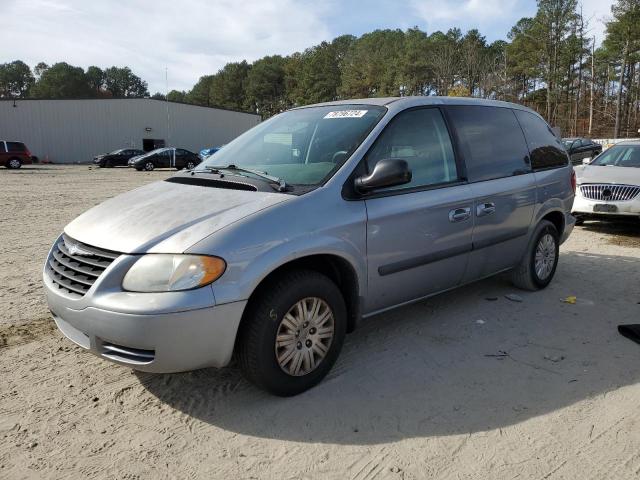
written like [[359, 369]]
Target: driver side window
[[419, 137]]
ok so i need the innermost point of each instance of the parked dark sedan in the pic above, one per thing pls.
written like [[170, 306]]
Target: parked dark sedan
[[166, 158], [581, 148], [117, 158]]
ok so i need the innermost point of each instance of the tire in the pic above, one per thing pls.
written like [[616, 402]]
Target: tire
[[14, 163], [545, 242], [264, 321], [149, 166], [108, 164]]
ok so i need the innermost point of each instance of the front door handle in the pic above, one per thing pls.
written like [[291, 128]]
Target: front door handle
[[459, 214], [485, 209]]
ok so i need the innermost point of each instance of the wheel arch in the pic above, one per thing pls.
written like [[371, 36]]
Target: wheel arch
[[557, 218], [335, 267]]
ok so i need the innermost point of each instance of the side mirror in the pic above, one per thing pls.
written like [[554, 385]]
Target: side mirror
[[387, 173], [586, 161]]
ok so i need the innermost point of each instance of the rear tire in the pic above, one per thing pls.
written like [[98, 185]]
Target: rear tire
[[14, 163], [292, 333], [538, 266]]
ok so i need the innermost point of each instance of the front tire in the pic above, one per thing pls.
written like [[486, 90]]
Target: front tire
[[538, 266], [149, 166], [292, 333]]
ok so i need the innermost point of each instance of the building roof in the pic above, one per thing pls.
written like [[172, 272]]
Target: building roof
[[104, 99]]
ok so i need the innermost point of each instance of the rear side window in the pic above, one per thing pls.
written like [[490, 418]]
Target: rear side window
[[491, 141], [2, 150], [546, 149], [419, 137], [16, 147]]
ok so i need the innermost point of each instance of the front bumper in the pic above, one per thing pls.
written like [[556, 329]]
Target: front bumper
[[584, 206], [153, 332]]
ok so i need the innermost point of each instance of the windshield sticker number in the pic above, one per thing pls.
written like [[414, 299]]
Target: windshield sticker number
[[346, 114]]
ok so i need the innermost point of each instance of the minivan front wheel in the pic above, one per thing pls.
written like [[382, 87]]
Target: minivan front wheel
[[538, 266], [292, 333]]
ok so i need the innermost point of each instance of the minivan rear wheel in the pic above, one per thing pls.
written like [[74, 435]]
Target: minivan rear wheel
[[292, 333], [538, 266], [14, 163]]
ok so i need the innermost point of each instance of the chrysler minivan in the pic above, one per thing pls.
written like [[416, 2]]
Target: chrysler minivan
[[282, 242]]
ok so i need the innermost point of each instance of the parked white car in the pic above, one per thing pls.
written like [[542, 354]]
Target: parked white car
[[609, 186]]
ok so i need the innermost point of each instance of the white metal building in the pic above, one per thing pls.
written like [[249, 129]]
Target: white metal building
[[69, 131]]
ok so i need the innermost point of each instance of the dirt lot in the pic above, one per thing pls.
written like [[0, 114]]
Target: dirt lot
[[465, 385]]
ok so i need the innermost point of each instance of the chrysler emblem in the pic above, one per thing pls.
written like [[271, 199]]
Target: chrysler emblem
[[75, 249]]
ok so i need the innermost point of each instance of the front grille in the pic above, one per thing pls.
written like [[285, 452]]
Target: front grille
[[76, 272], [609, 193]]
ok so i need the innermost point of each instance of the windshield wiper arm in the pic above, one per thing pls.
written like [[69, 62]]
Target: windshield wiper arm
[[282, 185]]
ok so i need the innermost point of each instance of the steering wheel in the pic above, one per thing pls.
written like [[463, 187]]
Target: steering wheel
[[339, 152]]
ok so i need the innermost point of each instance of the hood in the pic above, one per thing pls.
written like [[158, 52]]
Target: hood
[[165, 217], [602, 174]]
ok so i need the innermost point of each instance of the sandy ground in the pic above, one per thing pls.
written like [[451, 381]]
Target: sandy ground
[[455, 387]]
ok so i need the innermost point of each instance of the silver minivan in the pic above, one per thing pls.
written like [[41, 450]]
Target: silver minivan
[[279, 244]]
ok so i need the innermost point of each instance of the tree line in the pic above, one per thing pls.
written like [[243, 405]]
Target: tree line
[[548, 62], [62, 80]]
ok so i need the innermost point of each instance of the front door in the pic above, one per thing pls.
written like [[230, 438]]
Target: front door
[[419, 234]]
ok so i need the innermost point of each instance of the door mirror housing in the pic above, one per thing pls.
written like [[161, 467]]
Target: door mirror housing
[[389, 172]]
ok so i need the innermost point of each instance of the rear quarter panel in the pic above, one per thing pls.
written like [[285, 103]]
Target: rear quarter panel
[[554, 192]]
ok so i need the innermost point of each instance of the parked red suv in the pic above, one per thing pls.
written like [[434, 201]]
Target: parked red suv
[[14, 154]]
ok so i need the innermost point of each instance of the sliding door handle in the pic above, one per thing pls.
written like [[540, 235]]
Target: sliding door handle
[[486, 208], [459, 214]]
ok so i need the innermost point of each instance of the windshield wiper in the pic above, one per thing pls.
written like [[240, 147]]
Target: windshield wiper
[[282, 185]]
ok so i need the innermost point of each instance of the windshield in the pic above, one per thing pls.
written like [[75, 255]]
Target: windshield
[[115, 152], [619, 156], [301, 147], [567, 143]]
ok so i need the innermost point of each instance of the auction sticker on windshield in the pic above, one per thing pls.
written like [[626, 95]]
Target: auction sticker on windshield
[[346, 114]]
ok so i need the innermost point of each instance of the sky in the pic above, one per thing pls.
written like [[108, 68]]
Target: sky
[[186, 39]]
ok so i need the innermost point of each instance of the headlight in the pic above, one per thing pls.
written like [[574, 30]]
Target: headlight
[[170, 273]]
